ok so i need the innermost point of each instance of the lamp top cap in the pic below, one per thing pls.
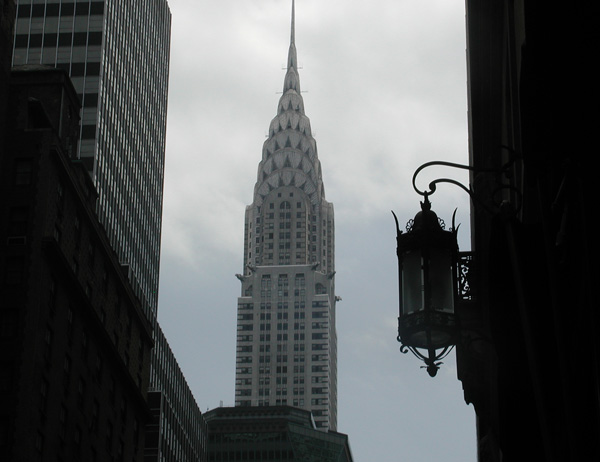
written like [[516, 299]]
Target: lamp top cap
[[426, 219]]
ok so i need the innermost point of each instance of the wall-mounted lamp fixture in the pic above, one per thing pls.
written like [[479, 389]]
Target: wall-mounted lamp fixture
[[432, 280], [427, 256]]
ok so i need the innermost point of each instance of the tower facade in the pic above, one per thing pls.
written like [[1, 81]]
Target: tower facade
[[117, 55], [286, 337]]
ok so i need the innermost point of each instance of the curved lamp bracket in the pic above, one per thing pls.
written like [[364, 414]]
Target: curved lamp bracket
[[468, 190], [432, 185]]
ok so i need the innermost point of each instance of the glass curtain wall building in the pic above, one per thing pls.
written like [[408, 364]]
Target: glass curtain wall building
[[286, 337], [117, 54]]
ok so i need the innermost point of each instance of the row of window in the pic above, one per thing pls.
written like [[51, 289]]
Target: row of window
[[272, 455], [283, 315], [266, 380], [279, 402], [280, 316], [266, 370], [282, 391], [61, 9], [297, 325], [284, 358], [280, 347], [280, 337], [63, 39]]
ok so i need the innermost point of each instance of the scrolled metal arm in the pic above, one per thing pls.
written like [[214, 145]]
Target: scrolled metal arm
[[432, 185], [468, 190]]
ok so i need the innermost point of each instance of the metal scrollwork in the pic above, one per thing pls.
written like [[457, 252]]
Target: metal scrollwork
[[465, 271], [432, 362]]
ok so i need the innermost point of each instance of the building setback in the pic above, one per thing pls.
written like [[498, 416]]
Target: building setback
[[74, 342], [274, 433], [286, 337], [117, 54]]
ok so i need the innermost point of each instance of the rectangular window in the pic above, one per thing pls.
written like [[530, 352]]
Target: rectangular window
[[17, 221], [22, 172], [15, 270]]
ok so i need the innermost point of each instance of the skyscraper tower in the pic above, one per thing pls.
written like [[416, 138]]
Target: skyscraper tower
[[286, 337], [117, 54]]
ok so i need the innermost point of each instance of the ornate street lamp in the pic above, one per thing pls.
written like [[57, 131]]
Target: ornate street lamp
[[427, 262], [434, 277]]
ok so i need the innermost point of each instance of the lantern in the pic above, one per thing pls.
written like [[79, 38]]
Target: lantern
[[427, 255]]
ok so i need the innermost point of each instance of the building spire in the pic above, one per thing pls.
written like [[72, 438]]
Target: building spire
[[289, 155], [293, 34], [292, 80]]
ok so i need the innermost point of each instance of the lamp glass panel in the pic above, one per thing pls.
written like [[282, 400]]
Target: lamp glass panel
[[412, 282], [441, 281]]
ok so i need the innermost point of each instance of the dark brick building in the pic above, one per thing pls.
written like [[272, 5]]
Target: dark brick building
[[74, 343]]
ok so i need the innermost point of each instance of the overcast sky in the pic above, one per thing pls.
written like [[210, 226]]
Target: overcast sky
[[384, 86]]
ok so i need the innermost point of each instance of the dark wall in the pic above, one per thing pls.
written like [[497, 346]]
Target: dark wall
[[531, 89]]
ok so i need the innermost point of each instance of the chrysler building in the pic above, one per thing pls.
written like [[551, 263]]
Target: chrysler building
[[286, 337]]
